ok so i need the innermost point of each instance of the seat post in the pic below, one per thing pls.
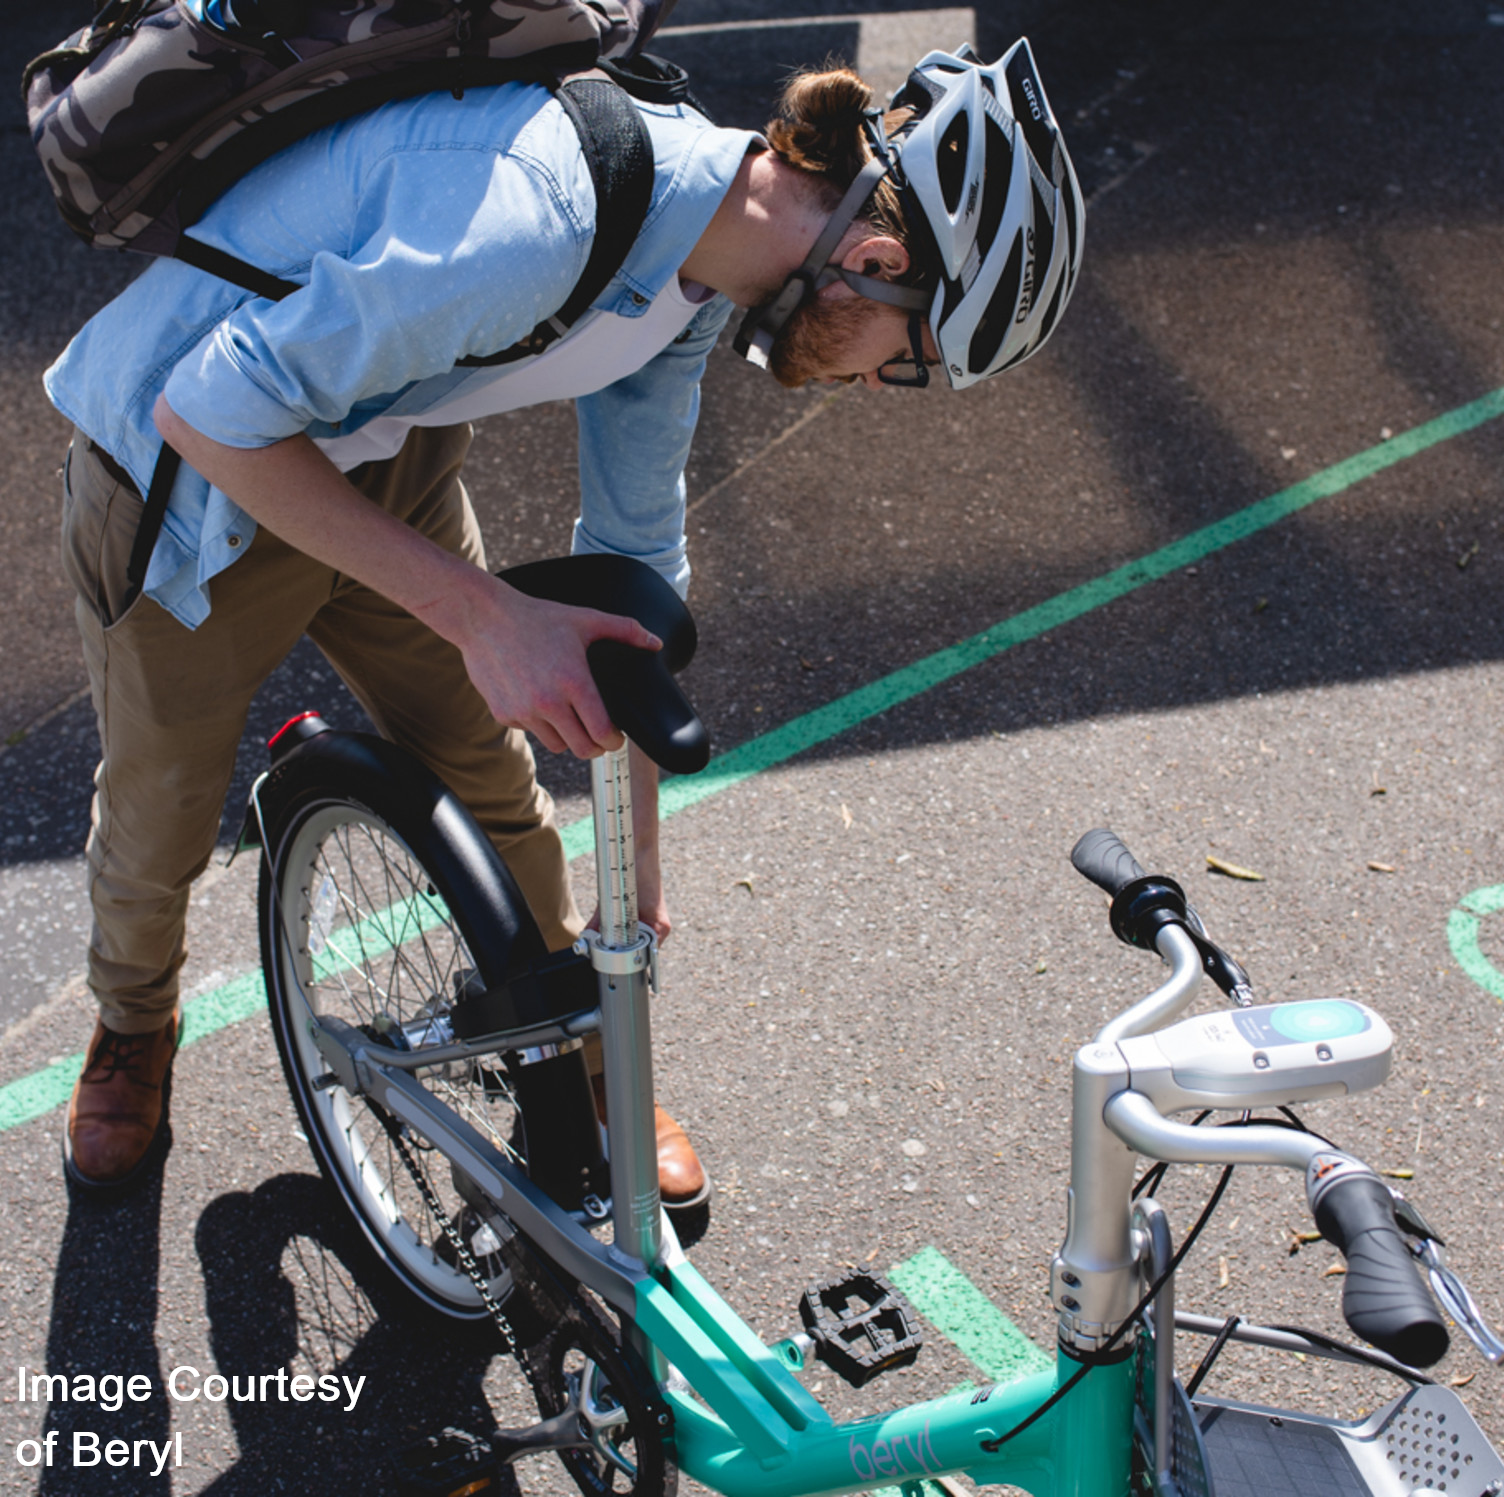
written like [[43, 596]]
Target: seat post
[[622, 956]]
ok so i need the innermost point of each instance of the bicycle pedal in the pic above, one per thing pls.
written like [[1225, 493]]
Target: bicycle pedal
[[861, 1326], [452, 1463]]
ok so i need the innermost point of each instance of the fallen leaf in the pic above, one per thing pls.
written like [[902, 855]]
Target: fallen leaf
[[1467, 556], [1288, 453], [870, 1256], [1461, 1380], [1333, 1271], [1232, 870], [1223, 1277], [1261, 605], [808, 665], [845, 816], [745, 883], [1381, 867], [1039, 967], [1398, 1174]]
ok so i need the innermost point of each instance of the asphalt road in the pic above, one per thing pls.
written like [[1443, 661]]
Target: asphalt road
[[882, 961]]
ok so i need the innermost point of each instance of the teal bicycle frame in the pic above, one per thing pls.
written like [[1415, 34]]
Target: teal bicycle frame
[[759, 1433], [734, 1413]]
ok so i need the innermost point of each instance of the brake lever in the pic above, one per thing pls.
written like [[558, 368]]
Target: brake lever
[[1226, 971], [1454, 1295], [1457, 1301]]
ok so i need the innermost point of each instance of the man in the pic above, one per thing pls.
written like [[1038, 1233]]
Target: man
[[322, 438]]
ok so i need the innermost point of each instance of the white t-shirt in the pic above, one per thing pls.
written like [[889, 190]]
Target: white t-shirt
[[597, 352]]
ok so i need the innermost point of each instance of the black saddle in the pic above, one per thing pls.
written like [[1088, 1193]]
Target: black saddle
[[637, 686]]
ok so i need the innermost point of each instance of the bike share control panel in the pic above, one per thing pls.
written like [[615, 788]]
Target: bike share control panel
[[1254, 1057]]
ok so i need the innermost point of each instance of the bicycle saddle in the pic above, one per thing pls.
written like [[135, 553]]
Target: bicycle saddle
[[637, 686]]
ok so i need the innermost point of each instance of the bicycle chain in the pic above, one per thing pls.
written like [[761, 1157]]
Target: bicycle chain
[[462, 1253], [571, 1315]]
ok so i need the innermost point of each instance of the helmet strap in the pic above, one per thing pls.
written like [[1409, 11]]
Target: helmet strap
[[761, 325], [910, 298]]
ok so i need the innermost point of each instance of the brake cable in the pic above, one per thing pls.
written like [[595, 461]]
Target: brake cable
[[993, 1446], [1150, 1180]]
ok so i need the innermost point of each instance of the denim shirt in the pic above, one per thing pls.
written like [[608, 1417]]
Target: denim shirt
[[426, 231]]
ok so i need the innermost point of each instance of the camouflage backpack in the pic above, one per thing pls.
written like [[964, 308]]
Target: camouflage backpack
[[145, 116]]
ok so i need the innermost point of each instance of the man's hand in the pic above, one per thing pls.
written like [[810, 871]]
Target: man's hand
[[526, 657]]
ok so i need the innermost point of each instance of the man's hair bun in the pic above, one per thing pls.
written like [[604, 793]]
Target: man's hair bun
[[819, 124]]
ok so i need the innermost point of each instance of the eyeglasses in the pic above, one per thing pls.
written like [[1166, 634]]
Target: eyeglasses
[[912, 371]]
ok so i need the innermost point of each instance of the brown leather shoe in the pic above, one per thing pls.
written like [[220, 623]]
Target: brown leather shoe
[[118, 1130], [682, 1181]]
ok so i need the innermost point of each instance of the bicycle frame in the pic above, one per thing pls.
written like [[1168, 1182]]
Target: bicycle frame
[[738, 1418]]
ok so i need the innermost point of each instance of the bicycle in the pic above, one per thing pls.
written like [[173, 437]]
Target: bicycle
[[433, 1050]]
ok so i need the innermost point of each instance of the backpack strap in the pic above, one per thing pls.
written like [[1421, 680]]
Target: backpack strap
[[149, 527], [619, 155], [232, 268]]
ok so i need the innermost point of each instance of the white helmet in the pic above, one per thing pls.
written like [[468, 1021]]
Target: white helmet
[[993, 203], [986, 168]]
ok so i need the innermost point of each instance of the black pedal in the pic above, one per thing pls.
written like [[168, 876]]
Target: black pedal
[[450, 1464], [861, 1326]]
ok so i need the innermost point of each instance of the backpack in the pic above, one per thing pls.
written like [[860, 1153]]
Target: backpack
[[143, 118]]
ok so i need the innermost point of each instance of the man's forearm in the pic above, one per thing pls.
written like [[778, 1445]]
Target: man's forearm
[[525, 656], [300, 496]]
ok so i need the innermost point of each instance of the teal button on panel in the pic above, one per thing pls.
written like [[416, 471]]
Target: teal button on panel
[[1331, 1019]]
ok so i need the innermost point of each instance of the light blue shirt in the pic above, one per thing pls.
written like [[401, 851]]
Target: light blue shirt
[[426, 231]]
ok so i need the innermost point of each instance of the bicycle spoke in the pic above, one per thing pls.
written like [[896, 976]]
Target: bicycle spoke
[[370, 938]]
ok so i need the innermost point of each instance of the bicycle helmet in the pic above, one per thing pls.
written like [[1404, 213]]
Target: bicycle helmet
[[993, 204]]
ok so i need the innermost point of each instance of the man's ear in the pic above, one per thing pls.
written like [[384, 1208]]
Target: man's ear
[[877, 255]]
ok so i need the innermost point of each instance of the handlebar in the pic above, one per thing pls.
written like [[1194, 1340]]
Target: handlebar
[[1383, 1299], [1101, 857]]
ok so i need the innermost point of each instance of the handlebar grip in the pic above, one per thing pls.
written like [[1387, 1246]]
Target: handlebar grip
[[1102, 858], [1383, 1299]]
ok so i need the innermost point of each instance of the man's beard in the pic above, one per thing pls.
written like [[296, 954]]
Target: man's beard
[[809, 340]]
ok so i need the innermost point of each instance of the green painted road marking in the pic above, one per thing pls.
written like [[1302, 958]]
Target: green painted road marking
[[36, 1094], [1462, 935], [31, 1096], [971, 1323], [827, 722], [967, 1318]]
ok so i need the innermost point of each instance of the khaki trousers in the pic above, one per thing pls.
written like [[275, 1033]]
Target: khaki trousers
[[171, 704]]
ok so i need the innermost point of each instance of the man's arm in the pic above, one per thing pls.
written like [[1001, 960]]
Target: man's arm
[[635, 438], [526, 657]]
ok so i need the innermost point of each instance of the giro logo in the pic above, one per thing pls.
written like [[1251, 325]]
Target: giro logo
[[897, 1457], [1027, 84], [1026, 291]]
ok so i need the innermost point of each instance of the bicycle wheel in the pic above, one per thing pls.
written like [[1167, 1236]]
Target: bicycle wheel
[[372, 918]]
